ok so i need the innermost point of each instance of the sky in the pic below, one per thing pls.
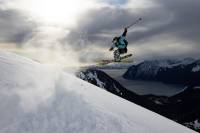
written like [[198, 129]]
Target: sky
[[79, 31]]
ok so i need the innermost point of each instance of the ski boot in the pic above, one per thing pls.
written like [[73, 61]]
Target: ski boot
[[117, 57]]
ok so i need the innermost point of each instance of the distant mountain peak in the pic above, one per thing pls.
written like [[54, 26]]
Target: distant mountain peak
[[185, 71]]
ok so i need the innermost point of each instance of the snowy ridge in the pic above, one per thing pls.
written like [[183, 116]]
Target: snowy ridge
[[196, 68], [195, 124], [151, 68], [170, 71], [38, 99], [91, 76]]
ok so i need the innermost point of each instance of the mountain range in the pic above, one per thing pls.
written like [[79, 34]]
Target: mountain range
[[182, 107]]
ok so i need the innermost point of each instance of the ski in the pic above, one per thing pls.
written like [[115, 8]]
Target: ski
[[126, 56], [105, 62]]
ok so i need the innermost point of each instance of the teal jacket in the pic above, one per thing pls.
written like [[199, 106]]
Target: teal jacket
[[121, 42]]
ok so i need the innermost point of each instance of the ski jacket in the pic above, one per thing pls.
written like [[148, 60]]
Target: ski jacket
[[121, 42]]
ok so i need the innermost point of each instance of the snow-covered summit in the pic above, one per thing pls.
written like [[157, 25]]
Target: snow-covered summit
[[174, 71], [153, 66], [35, 98], [196, 68]]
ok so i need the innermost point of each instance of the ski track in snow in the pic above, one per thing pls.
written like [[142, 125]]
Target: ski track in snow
[[35, 98]]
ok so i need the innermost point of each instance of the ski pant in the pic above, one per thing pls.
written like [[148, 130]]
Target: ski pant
[[122, 51]]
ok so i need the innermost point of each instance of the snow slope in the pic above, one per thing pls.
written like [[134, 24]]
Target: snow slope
[[35, 98]]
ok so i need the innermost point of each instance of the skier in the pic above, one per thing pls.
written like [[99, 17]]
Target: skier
[[121, 44]]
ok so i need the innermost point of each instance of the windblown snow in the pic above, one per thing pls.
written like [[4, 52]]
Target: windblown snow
[[35, 98]]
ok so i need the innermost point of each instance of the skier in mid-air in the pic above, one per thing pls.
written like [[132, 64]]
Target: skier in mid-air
[[121, 44]]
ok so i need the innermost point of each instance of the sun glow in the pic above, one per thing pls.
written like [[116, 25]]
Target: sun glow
[[54, 19], [55, 11]]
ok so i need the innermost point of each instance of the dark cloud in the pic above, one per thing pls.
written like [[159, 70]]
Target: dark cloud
[[186, 18], [103, 24], [15, 27], [179, 19], [100, 25]]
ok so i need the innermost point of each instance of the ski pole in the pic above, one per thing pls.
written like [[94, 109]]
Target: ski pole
[[137, 21]]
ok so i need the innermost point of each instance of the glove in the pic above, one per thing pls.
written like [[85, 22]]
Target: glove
[[111, 49], [126, 28]]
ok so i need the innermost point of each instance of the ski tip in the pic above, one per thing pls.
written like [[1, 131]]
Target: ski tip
[[129, 55]]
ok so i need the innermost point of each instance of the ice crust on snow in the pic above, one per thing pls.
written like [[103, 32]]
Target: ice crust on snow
[[35, 98]]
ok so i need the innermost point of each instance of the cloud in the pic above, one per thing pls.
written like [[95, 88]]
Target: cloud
[[172, 26], [99, 25], [186, 18], [178, 18], [116, 2], [174, 22], [15, 27]]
